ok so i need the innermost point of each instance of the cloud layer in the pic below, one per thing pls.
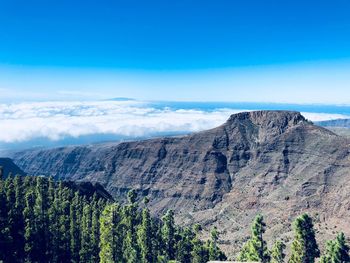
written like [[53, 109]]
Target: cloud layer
[[58, 120]]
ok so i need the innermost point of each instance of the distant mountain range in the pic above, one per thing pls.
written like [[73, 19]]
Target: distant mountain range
[[271, 162], [341, 123], [122, 99]]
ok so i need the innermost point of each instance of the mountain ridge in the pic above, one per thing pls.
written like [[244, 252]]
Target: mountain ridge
[[9, 167], [275, 162], [339, 123]]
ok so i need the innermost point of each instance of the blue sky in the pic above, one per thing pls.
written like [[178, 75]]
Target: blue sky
[[271, 51]]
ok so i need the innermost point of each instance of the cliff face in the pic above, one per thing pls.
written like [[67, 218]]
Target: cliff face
[[275, 162]]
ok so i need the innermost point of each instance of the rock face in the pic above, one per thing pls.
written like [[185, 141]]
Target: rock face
[[273, 162], [8, 167]]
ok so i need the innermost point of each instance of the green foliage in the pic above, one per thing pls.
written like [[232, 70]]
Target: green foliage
[[46, 221], [168, 234], [304, 247], [86, 250], [5, 238], [132, 196], [110, 250], [199, 252], [30, 233], [130, 252], [277, 252], [337, 251], [184, 246], [144, 237], [256, 248], [214, 252]]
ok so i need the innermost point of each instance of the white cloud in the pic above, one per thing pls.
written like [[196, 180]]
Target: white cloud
[[57, 120], [323, 116], [21, 122]]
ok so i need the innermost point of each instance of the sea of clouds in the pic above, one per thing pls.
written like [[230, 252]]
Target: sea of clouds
[[58, 120]]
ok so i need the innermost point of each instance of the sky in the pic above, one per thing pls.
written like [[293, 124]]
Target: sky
[[62, 62], [262, 51]]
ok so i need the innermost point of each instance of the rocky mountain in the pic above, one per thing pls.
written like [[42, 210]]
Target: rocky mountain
[[343, 123], [8, 167], [273, 162], [339, 126]]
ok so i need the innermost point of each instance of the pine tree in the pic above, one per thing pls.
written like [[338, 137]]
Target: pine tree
[[110, 247], [53, 216], [277, 252], [213, 249], [11, 219], [129, 222], [184, 246], [64, 197], [130, 213], [199, 252], [244, 254], [330, 253], [256, 248], [41, 218], [157, 241], [74, 227], [130, 251], [59, 224], [304, 247], [168, 234], [144, 237], [132, 195], [31, 247], [5, 240], [52, 221], [337, 251], [342, 248], [18, 233], [95, 230], [86, 244]]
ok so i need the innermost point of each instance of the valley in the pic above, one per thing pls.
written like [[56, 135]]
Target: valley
[[271, 162]]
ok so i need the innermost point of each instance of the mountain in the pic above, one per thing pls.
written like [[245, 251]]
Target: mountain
[[9, 167], [343, 123], [122, 99], [271, 162], [86, 188], [339, 126]]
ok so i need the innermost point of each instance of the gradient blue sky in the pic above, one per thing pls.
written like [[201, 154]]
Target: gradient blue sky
[[271, 51]]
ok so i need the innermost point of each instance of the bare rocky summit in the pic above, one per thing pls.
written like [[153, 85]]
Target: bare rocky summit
[[271, 162]]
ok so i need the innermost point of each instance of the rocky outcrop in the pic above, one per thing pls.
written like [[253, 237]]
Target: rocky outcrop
[[274, 162]]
